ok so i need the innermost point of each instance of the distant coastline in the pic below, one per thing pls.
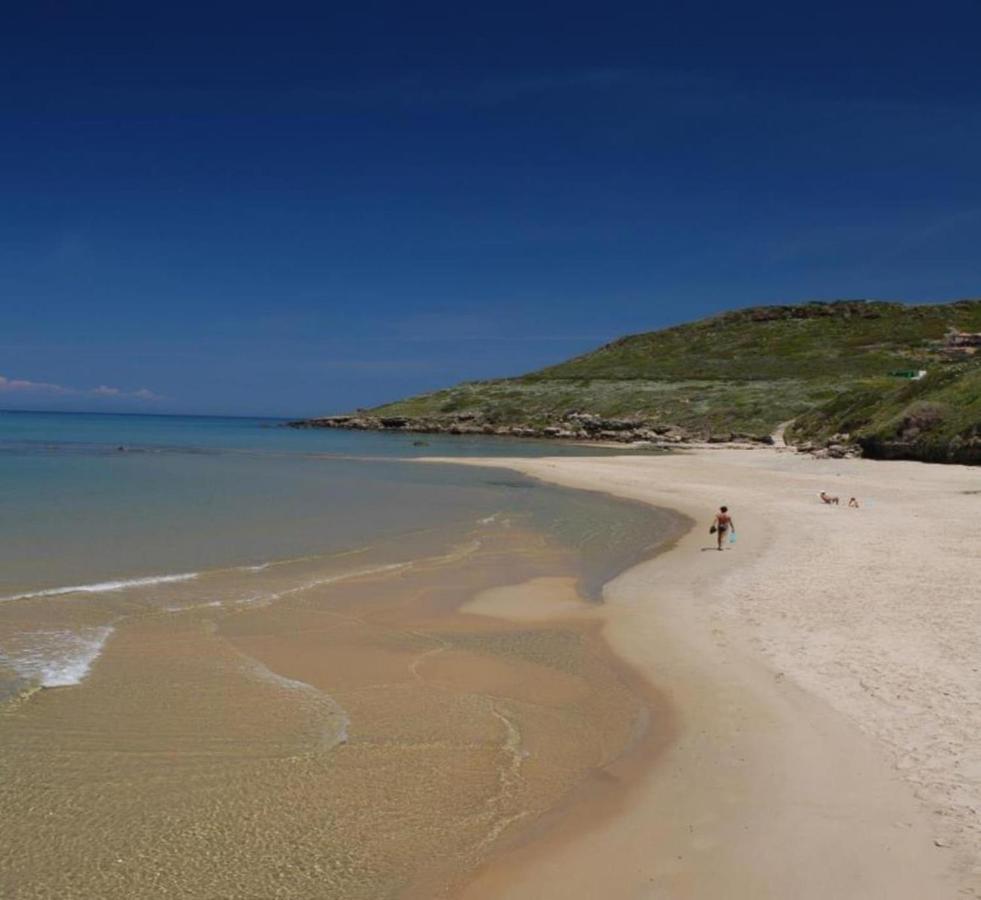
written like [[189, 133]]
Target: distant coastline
[[576, 427], [846, 378]]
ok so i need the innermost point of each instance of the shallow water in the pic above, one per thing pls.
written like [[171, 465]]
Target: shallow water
[[246, 674], [95, 498]]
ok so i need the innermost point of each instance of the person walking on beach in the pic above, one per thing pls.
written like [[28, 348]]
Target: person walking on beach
[[722, 525]]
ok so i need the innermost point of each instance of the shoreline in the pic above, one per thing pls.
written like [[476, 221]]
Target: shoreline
[[587, 430], [773, 785], [388, 739]]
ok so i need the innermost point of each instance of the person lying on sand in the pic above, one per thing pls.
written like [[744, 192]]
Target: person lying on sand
[[853, 503], [827, 498], [722, 524]]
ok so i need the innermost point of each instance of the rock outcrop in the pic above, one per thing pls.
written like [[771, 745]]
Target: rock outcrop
[[573, 426]]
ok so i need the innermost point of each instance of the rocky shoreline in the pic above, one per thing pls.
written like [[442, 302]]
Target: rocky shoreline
[[580, 427], [585, 427], [572, 427]]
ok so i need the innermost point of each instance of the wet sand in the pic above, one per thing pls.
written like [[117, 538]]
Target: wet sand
[[376, 735], [760, 723], [793, 662]]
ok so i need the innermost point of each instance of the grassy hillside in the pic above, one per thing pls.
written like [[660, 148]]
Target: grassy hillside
[[743, 372], [701, 407], [846, 339], [937, 419]]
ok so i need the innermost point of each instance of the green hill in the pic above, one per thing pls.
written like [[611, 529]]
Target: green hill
[[826, 365], [937, 419]]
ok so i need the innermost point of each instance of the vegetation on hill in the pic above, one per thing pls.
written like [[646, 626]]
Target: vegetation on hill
[[937, 419], [701, 408], [812, 341], [827, 365]]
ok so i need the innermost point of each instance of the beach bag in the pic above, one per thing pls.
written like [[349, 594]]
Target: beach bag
[[732, 537]]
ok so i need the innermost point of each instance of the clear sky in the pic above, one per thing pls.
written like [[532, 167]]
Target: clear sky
[[297, 209]]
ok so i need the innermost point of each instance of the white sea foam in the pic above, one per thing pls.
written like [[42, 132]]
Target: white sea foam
[[336, 721], [192, 606], [329, 579], [56, 657], [498, 518], [102, 587]]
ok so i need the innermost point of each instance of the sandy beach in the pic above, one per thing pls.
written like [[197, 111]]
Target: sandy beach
[[451, 713], [823, 678], [340, 726]]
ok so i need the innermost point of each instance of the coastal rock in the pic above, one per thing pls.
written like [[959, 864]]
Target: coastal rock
[[963, 450], [831, 450], [844, 309], [573, 426], [843, 451]]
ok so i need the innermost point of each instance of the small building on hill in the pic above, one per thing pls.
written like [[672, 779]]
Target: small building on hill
[[962, 340]]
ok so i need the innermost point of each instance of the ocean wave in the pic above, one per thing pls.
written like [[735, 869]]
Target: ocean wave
[[56, 657], [177, 608], [102, 587], [328, 579], [499, 518], [336, 721]]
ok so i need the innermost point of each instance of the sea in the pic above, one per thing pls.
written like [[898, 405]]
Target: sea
[[189, 601]]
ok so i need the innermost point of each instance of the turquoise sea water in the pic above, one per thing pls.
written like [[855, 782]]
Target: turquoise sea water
[[94, 497], [101, 515]]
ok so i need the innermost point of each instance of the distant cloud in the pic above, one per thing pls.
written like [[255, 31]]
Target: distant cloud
[[10, 385], [23, 386]]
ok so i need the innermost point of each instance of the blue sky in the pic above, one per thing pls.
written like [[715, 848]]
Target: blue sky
[[295, 209]]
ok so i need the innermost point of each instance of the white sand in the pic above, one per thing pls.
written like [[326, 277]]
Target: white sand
[[825, 673]]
